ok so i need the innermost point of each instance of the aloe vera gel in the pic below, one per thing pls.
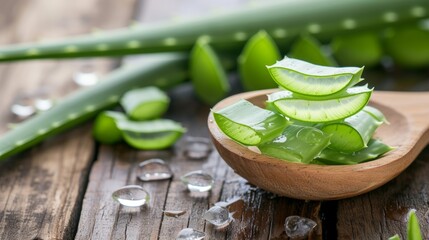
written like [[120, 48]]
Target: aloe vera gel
[[319, 116]]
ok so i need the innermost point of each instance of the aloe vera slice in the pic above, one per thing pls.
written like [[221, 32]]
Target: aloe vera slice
[[307, 48], [375, 149], [249, 124], [207, 75], [259, 51], [296, 144], [353, 133], [105, 129], [327, 110], [150, 135], [145, 103], [310, 79], [377, 114], [413, 228]]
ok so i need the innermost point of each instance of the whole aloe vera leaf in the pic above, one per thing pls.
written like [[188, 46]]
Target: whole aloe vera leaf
[[105, 130], [375, 149], [150, 135], [357, 49], [327, 110], [283, 20], [307, 48], [353, 133], [258, 52], [166, 71], [249, 124], [413, 228], [296, 144], [311, 79], [145, 103], [207, 75]]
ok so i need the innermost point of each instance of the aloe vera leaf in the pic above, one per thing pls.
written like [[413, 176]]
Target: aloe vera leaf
[[327, 110], [283, 20], [395, 237], [249, 124], [258, 52], [166, 71], [296, 144], [207, 75], [150, 135], [413, 228], [375, 149], [310, 79], [307, 48], [408, 46], [145, 103], [377, 114], [105, 129], [357, 49], [353, 133]]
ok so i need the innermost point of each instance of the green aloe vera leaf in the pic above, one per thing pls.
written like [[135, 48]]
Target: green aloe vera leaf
[[327, 110], [353, 133], [105, 129], [309, 79], [375, 149], [357, 49], [408, 46], [249, 124], [145, 103], [165, 71], [150, 135], [258, 52], [207, 75], [413, 228], [282, 19], [377, 114], [395, 237], [296, 144], [307, 48]]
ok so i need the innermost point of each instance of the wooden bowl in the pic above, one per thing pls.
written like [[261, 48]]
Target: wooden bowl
[[317, 182]]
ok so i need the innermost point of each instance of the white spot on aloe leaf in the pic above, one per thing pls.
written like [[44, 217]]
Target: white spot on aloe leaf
[[72, 116], [170, 41], [71, 49], [102, 47], [240, 36], [19, 143], [390, 17], [42, 131], [418, 11], [133, 44], [280, 33], [33, 52], [349, 23], [56, 124], [314, 28], [205, 38], [90, 108]]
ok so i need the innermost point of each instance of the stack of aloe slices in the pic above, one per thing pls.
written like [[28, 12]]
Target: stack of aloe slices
[[319, 116], [141, 126]]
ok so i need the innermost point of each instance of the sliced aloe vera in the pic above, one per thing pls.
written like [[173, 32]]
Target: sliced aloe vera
[[375, 149], [318, 111], [145, 103], [413, 227], [105, 129], [207, 75], [297, 144], [310, 79], [377, 114], [307, 48], [353, 133], [249, 124], [150, 135], [259, 52]]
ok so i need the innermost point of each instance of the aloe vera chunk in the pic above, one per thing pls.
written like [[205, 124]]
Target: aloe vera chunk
[[145, 103], [207, 75], [413, 228], [375, 149], [150, 135], [296, 144], [307, 48], [259, 51], [327, 110], [353, 133], [249, 124], [105, 129]]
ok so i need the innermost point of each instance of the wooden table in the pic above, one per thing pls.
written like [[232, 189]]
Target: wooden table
[[61, 189]]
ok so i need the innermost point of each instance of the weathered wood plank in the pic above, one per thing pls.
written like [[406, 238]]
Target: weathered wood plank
[[41, 190]]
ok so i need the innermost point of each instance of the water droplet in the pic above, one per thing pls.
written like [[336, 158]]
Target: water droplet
[[190, 234], [85, 75], [43, 104], [198, 181], [298, 227], [23, 107], [131, 196], [174, 213], [198, 147], [154, 169], [218, 216], [280, 139]]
